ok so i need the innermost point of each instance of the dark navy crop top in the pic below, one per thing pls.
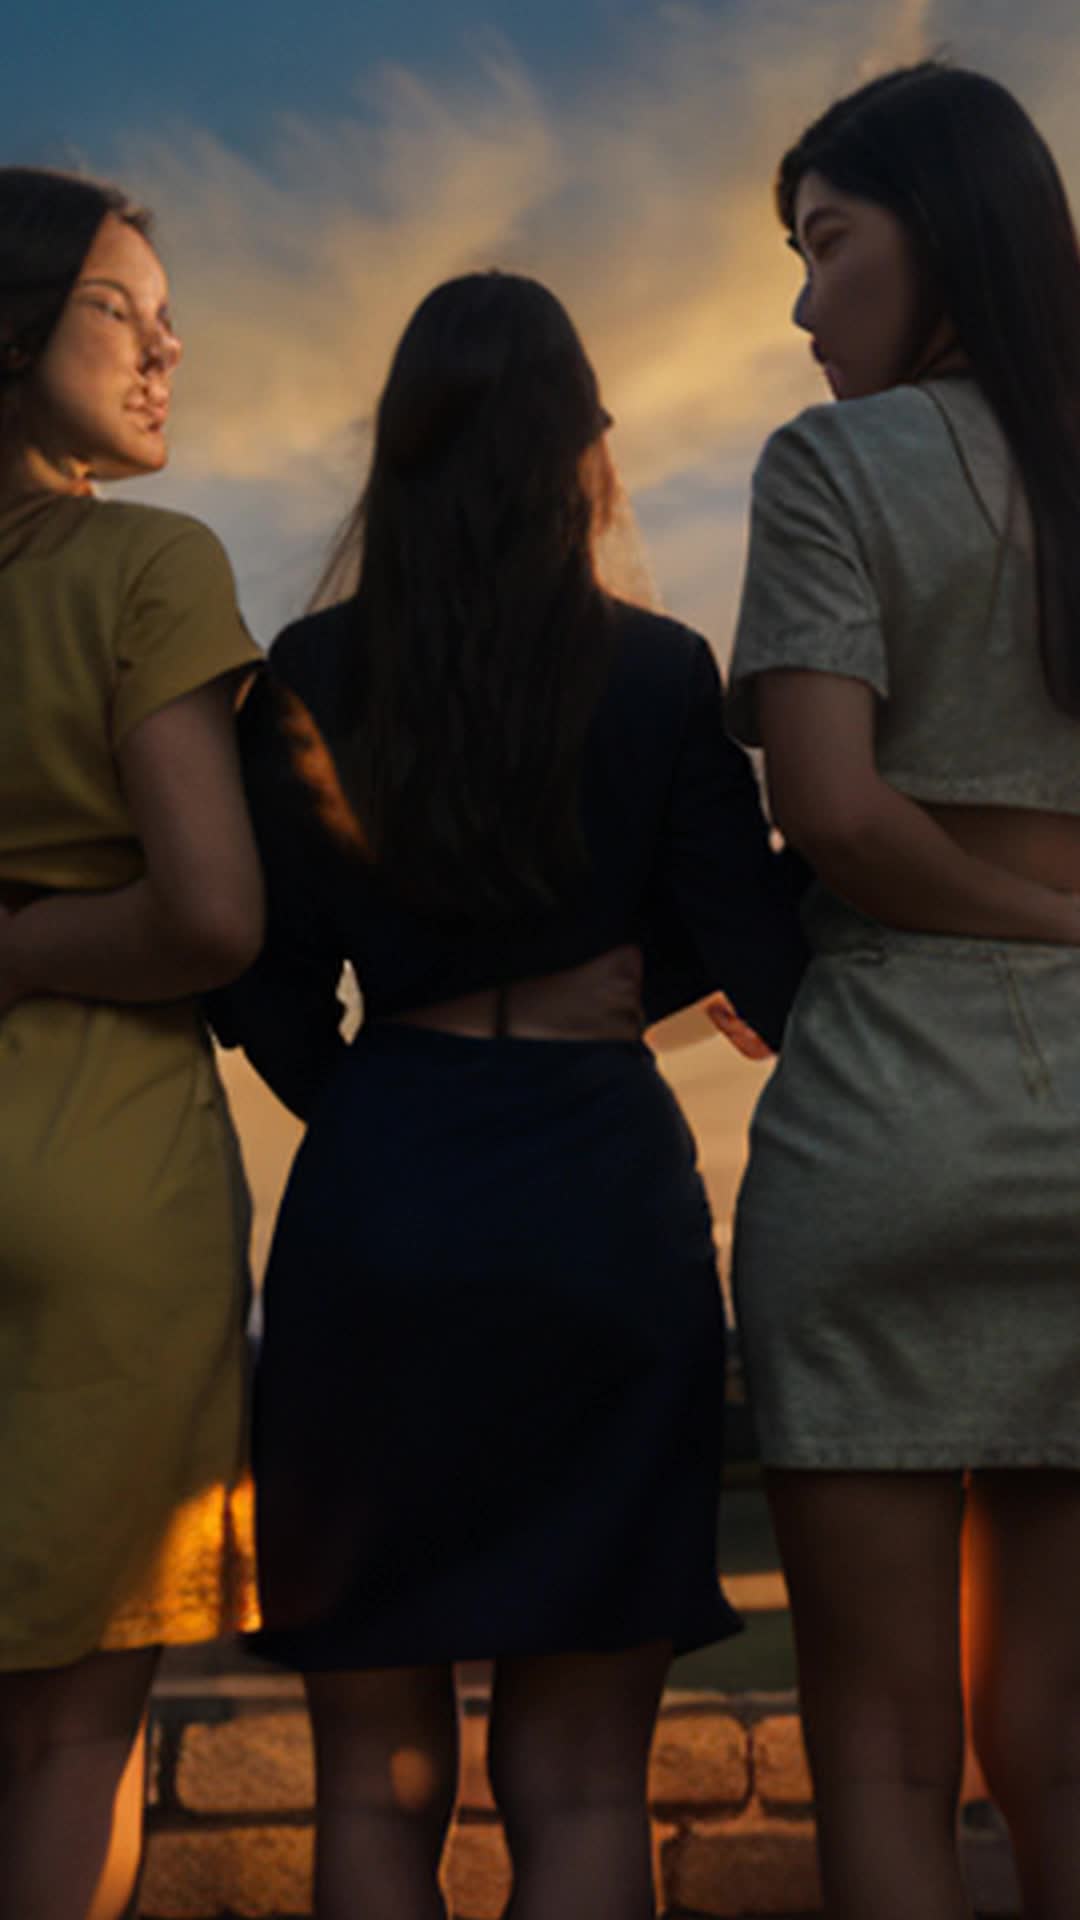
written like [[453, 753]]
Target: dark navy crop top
[[679, 863]]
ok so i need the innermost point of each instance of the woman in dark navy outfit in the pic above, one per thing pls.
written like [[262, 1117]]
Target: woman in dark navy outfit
[[488, 1413]]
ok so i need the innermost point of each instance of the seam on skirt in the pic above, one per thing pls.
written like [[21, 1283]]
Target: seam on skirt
[[938, 1457], [1037, 1074]]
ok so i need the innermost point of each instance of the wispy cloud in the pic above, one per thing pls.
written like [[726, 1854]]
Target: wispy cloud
[[643, 199]]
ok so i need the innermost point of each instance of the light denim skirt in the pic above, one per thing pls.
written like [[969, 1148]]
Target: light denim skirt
[[907, 1243]]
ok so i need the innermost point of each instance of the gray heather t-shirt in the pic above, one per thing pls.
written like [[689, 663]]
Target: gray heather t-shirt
[[890, 542]]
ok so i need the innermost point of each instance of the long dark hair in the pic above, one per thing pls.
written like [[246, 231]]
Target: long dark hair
[[482, 639], [47, 226], [959, 162]]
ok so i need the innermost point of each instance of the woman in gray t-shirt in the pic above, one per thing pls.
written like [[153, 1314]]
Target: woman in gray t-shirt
[[908, 1239]]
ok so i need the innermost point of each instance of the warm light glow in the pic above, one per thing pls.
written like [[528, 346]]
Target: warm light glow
[[414, 1780]]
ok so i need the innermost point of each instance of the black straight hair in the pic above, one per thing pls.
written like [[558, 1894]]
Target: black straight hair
[[955, 157], [48, 222], [481, 639]]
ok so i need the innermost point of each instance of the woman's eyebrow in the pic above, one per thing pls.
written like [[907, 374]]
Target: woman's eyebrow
[[817, 215], [101, 280], [164, 312]]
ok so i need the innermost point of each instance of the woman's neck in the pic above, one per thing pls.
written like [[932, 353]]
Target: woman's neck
[[941, 354], [29, 470]]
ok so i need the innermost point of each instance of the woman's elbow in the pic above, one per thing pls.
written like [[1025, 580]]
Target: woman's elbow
[[222, 938], [842, 834]]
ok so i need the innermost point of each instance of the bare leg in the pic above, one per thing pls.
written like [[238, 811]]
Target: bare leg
[[386, 1746], [116, 1888], [66, 1735], [872, 1562], [568, 1755], [1025, 1673]]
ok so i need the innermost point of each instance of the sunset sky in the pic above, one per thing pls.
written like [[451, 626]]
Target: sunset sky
[[316, 169]]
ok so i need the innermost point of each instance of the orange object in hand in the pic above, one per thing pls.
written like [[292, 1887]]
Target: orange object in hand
[[742, 1037]]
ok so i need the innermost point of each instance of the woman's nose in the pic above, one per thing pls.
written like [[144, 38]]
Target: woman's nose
[[800, 312], [162, 349]]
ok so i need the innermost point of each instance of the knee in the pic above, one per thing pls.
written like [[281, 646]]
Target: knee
[[91, 1709], [1025, 1729], [534, 1780], [912, 1741], [422, 1784], [30, 1745], [409, 1781], [25, 1747]]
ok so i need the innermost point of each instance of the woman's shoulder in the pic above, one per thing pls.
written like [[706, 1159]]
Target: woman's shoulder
[[656, 644], [152, 553], [663, 672], [897, 414], [307, 653], [143, 532], [902, 432]]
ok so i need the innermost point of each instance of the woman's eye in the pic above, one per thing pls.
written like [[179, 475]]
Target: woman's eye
[[110, 307], [826, 243]]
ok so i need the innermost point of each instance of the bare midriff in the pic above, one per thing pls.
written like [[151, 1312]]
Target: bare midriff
[[598, 1000], [1038, 846]]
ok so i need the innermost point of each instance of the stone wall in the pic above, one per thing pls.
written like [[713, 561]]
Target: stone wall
[[230, 1810]]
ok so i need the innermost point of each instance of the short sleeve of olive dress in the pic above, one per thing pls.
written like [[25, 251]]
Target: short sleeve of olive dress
[[124, 1508]]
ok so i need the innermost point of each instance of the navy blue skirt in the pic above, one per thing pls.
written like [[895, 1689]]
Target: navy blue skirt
[[488, 1408]]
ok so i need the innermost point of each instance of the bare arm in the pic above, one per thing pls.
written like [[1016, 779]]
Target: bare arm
[[284, 1010], [872, 846], [728, 918], [195, 919]]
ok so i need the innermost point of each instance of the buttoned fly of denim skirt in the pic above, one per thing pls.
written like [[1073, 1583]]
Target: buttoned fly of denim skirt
[[907, 1246]]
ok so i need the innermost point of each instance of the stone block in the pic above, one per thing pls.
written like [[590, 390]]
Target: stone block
[[781, 1775], [476, 1871], [249, 1873], [744, 1866], [474, 1789], [257, 1763], [699, 1759]]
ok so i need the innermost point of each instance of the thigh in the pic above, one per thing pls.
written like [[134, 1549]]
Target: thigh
[[387, 1737], [1024, 1598], [101, 1697], [575, 1726], [873, 1568]]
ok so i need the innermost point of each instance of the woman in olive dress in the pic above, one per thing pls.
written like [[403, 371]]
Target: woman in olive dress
[[128, 883]]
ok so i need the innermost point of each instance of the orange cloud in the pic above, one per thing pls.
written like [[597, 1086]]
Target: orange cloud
[[644, 201]]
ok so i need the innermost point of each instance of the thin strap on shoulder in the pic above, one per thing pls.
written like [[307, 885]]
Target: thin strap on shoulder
[[983, 491], [502, 1011]]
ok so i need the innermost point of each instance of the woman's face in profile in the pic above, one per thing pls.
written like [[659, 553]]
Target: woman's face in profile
[[100, 393], [862, 300]]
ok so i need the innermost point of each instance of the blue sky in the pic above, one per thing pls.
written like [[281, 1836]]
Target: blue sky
[[316, 169], [233, 66]]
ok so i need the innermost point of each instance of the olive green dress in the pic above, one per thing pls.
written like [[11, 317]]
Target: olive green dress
[[124, 1505]]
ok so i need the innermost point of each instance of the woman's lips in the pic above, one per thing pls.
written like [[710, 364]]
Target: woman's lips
[[828, 367]]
